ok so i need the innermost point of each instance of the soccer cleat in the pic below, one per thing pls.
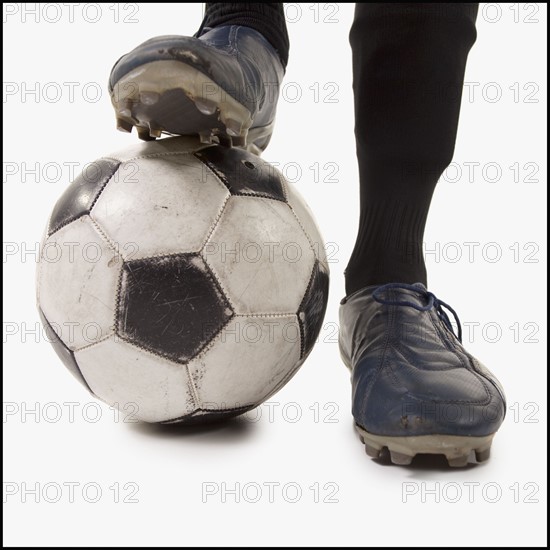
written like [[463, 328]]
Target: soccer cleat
[[222, 86], [416, 390]]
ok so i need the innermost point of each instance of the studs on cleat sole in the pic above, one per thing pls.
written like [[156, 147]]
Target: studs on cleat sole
[[224, 140], [143, 134], [227, 127], [458, 450], [238, 141], [149, 98], [233, 128], [185, 101], [458, 461], [205, 106], [400, 458], [373, 452], [154, 130], [482, 456], [123, 125]]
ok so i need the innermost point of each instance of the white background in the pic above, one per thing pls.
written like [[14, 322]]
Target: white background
[[500, 503]]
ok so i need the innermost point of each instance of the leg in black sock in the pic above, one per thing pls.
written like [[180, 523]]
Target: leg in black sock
[[408, 71], [267, 19]]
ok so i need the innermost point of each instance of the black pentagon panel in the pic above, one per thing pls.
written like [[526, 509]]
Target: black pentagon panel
[[63, 352], [312, 309], [79, 198], [243, 173], [170, 305]]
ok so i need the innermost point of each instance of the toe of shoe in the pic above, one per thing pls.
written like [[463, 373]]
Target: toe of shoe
[[401, 400]]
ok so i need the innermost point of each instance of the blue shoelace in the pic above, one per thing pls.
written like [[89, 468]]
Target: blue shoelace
[[433, 302]]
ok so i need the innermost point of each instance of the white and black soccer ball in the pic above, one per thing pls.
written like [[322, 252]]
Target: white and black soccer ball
[[188, 280]]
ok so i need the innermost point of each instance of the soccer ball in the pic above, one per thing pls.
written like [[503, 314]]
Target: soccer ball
[[188, 280]]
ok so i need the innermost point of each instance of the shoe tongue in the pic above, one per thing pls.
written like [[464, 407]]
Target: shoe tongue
[[418, 298]]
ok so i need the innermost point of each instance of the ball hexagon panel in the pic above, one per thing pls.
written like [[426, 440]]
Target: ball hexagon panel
[[78, 282], [307, 221], [246, 361], [260, 255], [170, 305], [63, 352], [243, 173], [160, 205], [120, 374], [79, 198]]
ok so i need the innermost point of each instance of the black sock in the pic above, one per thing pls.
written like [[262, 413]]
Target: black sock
[[408, 71], [267, 19]]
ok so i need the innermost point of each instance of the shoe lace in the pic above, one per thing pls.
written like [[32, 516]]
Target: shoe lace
[[433, 302]]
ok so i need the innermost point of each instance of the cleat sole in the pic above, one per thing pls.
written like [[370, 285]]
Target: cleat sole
[[457, 449], [169, 97]]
